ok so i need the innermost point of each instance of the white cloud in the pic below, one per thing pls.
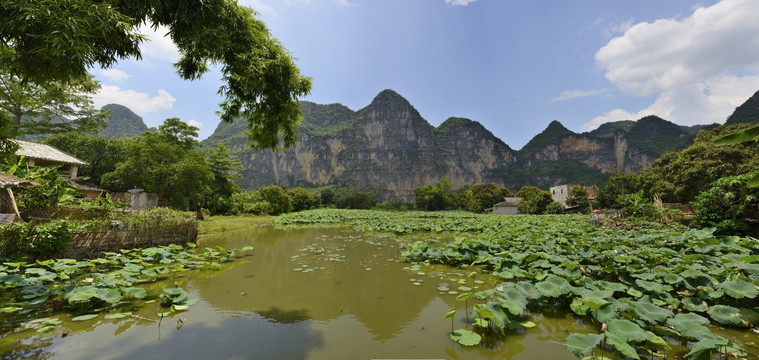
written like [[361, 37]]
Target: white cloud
[[698, 103], [114, 75], [700, 67], [618, 28], [573, 94], [159, 45], [459, 2], [195, 123], [140, 103]]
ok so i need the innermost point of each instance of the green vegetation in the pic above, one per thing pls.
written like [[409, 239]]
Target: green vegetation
[[747, 113], [656, 136], [534, 200], [644, 291], [726, 205], [218, 224], [40, 47], [679, 177], [554, 132], [29, 108], [544, 173], [113, 284], [122, 123]]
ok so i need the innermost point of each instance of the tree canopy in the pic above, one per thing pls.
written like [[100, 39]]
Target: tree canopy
[[48, 41]]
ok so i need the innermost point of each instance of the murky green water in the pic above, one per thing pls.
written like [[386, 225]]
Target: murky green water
[[305, 293]]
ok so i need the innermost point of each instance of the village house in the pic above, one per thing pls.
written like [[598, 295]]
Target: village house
[[36, 154], [508, 206], [561, 193]]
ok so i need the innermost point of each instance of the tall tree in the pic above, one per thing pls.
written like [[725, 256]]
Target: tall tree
[[159, 164], [44, 41], [28, 108]]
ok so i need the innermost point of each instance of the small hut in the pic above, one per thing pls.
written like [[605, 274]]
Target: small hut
[[508, 206], [8, 208]]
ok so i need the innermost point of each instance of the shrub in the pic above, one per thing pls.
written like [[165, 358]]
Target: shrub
[[726, 205], [534, 200], [554, 207], [276, 196], [302, 199], [51, 239]]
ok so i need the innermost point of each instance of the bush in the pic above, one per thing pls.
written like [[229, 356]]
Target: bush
[[726, 205], [302, 199], [51, 239], [534, 200], [276, 196], [484, 196], [554, 207], [357, 200]]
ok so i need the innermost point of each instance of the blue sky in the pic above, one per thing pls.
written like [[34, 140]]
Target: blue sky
[[512, 65]]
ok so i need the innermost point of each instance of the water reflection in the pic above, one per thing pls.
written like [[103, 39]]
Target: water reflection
[[348, 299]]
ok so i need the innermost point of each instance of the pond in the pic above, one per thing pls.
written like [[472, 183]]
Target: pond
[[304, 293]]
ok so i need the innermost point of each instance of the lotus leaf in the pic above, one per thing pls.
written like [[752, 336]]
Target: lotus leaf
[[621, 345], [466, 337], [651, 313], [748, 317], [579, 307], [691, 303], [594, 303], [553, 286], [653, 286], [45, 329], [451, 313], [118, 315], [528, 290], [703, 348], [137, 292], [581, 345], [726, 315], [627, 330], [513, 301], [84, 317], [691, 325], [740, 289]]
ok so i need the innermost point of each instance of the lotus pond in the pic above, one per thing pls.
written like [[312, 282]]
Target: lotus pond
[[364, 284]]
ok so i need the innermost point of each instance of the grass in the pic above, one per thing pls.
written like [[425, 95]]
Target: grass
[[218, 224]]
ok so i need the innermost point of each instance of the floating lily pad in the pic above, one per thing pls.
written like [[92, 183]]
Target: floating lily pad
[[466, 337], [464, 288], [84, 317], [453, 292], [417, 283]]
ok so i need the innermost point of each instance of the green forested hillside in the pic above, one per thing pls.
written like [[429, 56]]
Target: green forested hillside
[[122, 123], [747, 113]]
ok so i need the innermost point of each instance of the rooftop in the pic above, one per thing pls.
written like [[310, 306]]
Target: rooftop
[[34, 150]]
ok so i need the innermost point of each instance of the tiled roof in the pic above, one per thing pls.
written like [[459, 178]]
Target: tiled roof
[[510, 201], [12, 180], [45, 152]]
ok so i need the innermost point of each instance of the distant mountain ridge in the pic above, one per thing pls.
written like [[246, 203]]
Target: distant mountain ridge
[[388, 147], [122, 123]]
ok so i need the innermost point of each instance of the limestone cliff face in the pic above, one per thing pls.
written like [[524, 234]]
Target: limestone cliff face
[[387, 147], [622, 147]]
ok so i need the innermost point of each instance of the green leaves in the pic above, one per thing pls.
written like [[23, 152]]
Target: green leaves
[[465, 337], [740, 289], [738, 137], [581, 345]]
